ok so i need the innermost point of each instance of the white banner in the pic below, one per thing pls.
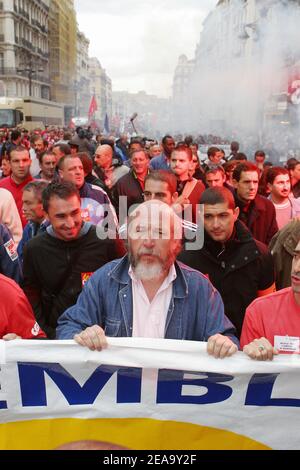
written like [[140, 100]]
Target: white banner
[[145, 394]]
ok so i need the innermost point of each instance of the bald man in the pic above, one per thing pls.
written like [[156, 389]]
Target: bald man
[[148, 294], [108, 170]]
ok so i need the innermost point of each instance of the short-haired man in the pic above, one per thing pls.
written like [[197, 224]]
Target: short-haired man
[[257, 212], [20, 162], [132, 185], [259, 160], [16, 315], [34, 212], [294, 170], [162, 162], [279, 184], [148, 292], [61, 150], [215, 177], [272, 324], [188, 188], [215, 158], [47, 162], [95, 203], [240, 267], [107, 171], [58, 262]]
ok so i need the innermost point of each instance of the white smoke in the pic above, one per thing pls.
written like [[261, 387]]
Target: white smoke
[[247, 55]]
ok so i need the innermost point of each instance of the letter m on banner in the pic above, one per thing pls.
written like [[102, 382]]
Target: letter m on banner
[[33, 386]]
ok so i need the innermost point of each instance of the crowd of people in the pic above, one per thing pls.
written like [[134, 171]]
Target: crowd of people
[[103, 236]]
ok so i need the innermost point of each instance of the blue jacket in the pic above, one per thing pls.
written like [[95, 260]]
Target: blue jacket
[[160, 163], [196, 310], [31, 229], [10, 265]]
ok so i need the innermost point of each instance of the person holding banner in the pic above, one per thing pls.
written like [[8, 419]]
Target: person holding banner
[[148, 294], [272, 323]]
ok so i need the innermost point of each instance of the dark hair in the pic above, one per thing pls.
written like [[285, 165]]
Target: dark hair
[[275, 171], [247, 166], [63, 190], [218, 195], [292, 163], [260, 153], [36, 187], [241, 156], [15, 134], [64, 148], [212, 151], [86, 161], [44, 154], [164, 139], [17, 149], [163, 176], [234, 146]]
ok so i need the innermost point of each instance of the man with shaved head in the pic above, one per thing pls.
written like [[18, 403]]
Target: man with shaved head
[[148, 294], [108, 170]]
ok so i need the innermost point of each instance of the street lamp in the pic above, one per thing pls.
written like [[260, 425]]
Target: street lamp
[[30, 72]]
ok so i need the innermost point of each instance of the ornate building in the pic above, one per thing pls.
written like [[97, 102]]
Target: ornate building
[[63, 53], [24, 53]]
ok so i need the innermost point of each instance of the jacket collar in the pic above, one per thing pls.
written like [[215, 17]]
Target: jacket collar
[[120, 274]]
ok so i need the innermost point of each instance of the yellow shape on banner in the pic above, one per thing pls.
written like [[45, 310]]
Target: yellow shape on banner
[[134, 433]]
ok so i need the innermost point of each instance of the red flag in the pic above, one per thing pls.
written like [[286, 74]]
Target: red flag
[[93, 107]]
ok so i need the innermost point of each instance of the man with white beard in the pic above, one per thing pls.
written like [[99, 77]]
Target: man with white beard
[[148, 294]]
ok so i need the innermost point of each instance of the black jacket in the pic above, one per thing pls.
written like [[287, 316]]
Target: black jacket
[[260, 218], [130, 187], [55, 271], [238, 273]]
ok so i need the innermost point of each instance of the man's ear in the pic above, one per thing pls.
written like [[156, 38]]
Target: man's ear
[[174, 197], [236, 213], [235, 183]]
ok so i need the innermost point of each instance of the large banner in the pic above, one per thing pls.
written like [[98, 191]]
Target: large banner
[[145, 394]]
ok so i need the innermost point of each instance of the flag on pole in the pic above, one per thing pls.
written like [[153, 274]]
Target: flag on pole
[[93, 107], [106, 124]]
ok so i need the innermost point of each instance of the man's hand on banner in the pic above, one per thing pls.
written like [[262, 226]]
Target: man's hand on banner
[[92, 337], [11, 336], [221, 346]]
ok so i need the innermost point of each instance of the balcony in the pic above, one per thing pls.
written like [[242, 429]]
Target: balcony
[[2, 38], [14, 72], [1, 6]]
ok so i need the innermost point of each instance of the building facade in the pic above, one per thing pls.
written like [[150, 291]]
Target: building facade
[[101, 88], [181, 94], [82, 91], [63, 53], [24, 50]]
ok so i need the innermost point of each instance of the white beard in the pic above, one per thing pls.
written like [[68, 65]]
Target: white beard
[[148, 272]]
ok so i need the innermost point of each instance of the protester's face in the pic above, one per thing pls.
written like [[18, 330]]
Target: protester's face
[[5, 167], [151, 244], [180, 163], [159, 190], [65, 217], [194, 150], [259, 160], [295, 275], [247, 186], [169, 146], [20, 164], [103, 156], [215, 180], [140, 163], [219, 221], [48, 165], [154, 151], [58, 153], [281, 186], [295, 173], [216, 158], [39, 146], [73, 171], [32, 207]]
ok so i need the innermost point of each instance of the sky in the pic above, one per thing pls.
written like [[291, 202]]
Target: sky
[[138, 42]]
